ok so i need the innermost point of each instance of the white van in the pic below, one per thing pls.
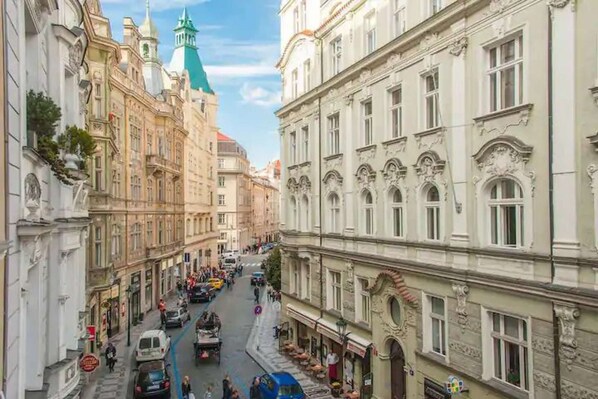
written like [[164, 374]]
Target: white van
[[152, 345], [230, 263]]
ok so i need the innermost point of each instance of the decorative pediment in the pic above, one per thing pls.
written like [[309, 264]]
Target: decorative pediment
[[393, 171], [396, 279], [304, 184], [502, 156], [429, 165], [295, 41], [333, 181], [292, 185]]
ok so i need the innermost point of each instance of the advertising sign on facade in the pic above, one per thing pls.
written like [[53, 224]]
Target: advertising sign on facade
[[91, 332], [89, 363], [433, 390]]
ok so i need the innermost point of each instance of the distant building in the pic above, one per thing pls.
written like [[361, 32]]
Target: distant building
[[265, 199]]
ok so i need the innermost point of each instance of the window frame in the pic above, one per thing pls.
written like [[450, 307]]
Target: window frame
[[495, 95], [428, 326], [367, 115], [305, 143], [294, 83], [369, 30], [497, 221], [307, 75], [293, 148], [334, 208], [334, 147], [431, 98], [363, 301], [394, 207], [221, 200], [395, 108], [435, 207], [335, 297], [369, 214], [98, 241], [398, 17], [336, 55]]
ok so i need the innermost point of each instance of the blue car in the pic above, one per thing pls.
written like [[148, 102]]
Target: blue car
[[280, 385]]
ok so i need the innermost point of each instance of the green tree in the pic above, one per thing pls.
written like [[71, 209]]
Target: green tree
[[273, 264]]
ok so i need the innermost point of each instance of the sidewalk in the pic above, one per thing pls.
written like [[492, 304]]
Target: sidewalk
[[263, 348], [105, 385]]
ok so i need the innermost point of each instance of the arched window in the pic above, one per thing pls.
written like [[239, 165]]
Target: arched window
[[368, 213], [397, 218], [334, 214], [432, 213], [293, 214], [304, 213], [189, 231], [506, 213]]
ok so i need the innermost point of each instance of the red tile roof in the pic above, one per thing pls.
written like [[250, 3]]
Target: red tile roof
[[399, 284], [224, 137]]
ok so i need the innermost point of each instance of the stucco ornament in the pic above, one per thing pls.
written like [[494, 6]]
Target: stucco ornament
[[592, 171], [367, 154], [428, 41], [75, 55], [333, 163], [567, 314], [560, 4], [292, 186], [304, 185], [32, 196], [333, 182], [429, 169], [80, 196], [461, 291], [458, 46], [498, 6], [366, 177]]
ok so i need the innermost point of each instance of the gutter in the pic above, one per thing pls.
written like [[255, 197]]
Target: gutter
[[555, 322], [6, 203]]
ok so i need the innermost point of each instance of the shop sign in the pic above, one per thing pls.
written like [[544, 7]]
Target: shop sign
[[433, 390], [356, 349], [454, 385], [91, 332], [89, 363]]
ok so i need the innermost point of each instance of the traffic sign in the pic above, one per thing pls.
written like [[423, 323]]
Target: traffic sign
[[257, 310], [89, 363]]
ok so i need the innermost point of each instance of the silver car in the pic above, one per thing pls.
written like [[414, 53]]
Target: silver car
[[177, 317]]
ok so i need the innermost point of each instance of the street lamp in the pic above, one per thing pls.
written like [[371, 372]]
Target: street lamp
[[341, 328], [128, 291]]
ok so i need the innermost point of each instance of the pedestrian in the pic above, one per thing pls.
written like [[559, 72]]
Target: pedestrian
[[110, 356], [208, 394], [235, 394], [186, 387], [254, 391], [179, 288], [256, 293], [227, 388], [269, 292]]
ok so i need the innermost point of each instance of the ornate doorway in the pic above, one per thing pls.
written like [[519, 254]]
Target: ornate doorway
[[397, 371]]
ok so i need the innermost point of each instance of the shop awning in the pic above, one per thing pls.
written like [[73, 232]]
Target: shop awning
[[355, 343], [309, 319], [328, 329]]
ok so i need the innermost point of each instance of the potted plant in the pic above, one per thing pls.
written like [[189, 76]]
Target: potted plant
[[336, 389], [43, 115], [77, 145]]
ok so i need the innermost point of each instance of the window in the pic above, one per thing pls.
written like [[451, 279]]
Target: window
[[368, 213], [160, 190], [294, 83], [148, 144], [333, 135], [307, 76], [293, 148], [221, 218], [336, 52], [97, 101], [506, 214], [98, 246], [220, 163], [150, 233], [305, 281], [435, 6], [303, 14], [150, 191], [296, 20], [505, 74], [293, 214], [188, 228], [396, 113], [116, 184], [397, 213], [398, 17], [135, 237], [335, 213], [220, 181], [510, 350], [334, 297], [363, 301], [221, 199], [305, 143], [370, 32], [116, 240], [223, 236], [294, 278], [367, 123], [305, 225], [160, 232], [437, 319], [431, 100], [432, 213], [99, 173]]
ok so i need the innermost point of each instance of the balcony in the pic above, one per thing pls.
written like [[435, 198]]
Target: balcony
[[158, 165], [160, 250]]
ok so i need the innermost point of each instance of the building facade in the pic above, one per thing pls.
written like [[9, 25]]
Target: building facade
[[47, 216], [264, 204], [234, 196], [137, 201], [448, 217]]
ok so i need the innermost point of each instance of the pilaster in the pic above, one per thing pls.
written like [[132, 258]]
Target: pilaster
[[347, 135]]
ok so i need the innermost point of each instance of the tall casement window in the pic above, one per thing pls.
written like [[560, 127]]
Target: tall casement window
[[293, 214], [116, 184], [334, 211], [169, 231], [303, 14], [505, 74], [161, 190], [435, 325], [336, 53], [305, 225], [294, 83], [98, 246], [305, 143], [179, 229], [362, 299], [220, 181], [368, 128], [334, 146], [398, 17], [149, 233], [432, 213], [434, 6], [397, 211], [296, 20], [307, 76], [135, 237], [149, 144], [368, 213], [432, 112], [335, 288], [98, 165], [188, 228], [396, 113], [98, 110], [294, 278], [221, 219], [116, 241], [195, 226], [506, 214], [221, 199], [510, 350], [150, 191], [305, 281], [369, 24], [220, 163], [160, 232], [293, 148]]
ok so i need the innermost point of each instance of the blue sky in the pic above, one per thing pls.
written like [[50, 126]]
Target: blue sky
[[238, 43]]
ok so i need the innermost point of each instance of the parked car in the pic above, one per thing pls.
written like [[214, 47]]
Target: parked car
[[152, 380], [152, 345], [258, 278], [177, 317], [216, 283], [280, 385], [203, 292], [230, 263]]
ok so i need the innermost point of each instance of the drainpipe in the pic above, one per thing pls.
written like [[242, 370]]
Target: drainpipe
[[555, 321], [6, 209]]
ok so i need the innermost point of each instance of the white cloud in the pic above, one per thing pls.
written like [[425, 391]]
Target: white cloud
[[240, 70], [257, 95], [160, 5]]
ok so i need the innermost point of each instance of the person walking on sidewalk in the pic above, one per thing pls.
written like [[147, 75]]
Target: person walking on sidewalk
[[186, 387], [256, 293], [162, 309], [110, 356], [254, 391], [269, 292], [208, 394], [227, 389]]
